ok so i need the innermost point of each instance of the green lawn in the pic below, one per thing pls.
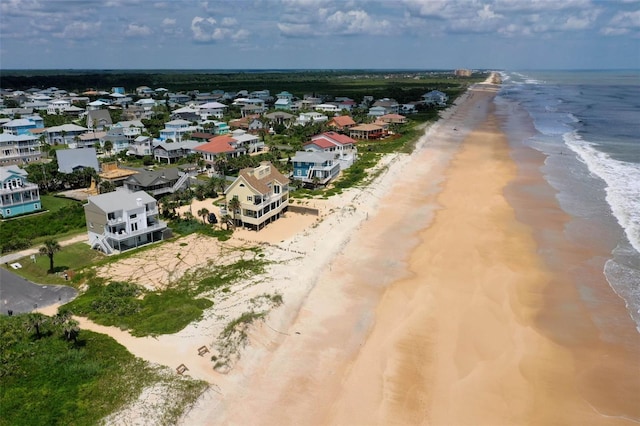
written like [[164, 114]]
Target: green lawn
[[53, 204], [74, 257]]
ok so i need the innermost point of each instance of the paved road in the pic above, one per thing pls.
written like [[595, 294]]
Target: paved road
[[20, 295]]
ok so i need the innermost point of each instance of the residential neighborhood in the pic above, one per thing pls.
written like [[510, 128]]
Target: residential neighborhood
[[102, 146]]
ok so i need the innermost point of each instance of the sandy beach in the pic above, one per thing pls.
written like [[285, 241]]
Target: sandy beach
[[427, 297]]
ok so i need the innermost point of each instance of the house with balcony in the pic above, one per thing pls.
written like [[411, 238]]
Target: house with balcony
[[131, 128], [211, 110], [17, 195], [342, 123], [366, 131], [341, 146], [315, 167], [390, 106], [171, 152], [121, 220], [19, 149], [159, 182], [64, 134], [23, 126], [119, 141], [88, 140], [58, 106], [310, 118], [262, 194], [141, 146], [435, 98], [176, 129]]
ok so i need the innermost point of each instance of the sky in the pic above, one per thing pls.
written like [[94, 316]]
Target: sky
[[320, 34]]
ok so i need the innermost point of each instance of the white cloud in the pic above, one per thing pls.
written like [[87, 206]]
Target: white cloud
[[206, 30], [355, 22], [623, 23], [167, 22], [229, 22], [135, 30], [79, 30]]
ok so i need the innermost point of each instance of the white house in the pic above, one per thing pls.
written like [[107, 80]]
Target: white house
[[122, 220]]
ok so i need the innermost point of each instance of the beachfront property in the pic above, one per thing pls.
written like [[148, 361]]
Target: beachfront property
[[342, 147], [17, 195], [19, 149], [158, 182], [262, 195], [435, 98], [341, 123], [366, 131], [122, 220], [315, 168]]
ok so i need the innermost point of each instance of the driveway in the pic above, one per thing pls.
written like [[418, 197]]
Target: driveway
[[20, 295]]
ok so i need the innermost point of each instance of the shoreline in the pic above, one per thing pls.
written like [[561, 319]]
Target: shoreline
[[428, 350], [404, 301]]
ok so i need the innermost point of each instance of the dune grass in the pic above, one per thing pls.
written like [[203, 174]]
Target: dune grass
[[71, 383]]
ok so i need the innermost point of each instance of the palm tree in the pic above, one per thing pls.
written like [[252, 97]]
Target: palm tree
[[203, 212], [71, 329], [50, 247], [226, 219], [234, 206], [35, 321]]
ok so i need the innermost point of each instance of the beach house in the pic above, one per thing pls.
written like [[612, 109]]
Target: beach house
[[19, 149], [123, 220], [341, 146], [159, 182], [260, 196], [17, 195], [315, 167]]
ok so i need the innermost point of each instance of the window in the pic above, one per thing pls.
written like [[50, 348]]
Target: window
[[249, 198], [8, 211], [276, 189], [133, 216], [134, 226]]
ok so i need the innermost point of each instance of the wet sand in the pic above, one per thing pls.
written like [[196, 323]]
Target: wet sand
[[443, 308]]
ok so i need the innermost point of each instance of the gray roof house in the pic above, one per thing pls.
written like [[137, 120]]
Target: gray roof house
[[70, 160], [122, 220], [158, 182]]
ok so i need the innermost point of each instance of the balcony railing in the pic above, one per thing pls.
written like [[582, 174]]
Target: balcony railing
[[124, 233]]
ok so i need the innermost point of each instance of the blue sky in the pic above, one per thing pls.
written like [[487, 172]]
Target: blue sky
[[320, 34]]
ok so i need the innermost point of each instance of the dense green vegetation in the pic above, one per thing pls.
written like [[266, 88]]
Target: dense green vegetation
[[143, 313], [403, 86], [65, 217], [52, 377]]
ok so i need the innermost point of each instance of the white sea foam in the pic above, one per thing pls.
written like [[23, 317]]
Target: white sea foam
[[622, 184]]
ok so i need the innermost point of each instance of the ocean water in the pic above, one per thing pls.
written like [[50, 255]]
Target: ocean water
[[588, 127]]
